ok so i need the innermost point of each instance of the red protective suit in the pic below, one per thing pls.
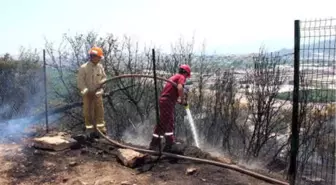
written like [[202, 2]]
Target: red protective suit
[[167, 102]]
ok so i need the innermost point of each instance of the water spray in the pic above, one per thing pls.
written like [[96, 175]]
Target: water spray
[[190, 118], [192, 125]]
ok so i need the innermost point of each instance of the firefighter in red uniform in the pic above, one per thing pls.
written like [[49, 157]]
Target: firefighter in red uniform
[[170, 95]]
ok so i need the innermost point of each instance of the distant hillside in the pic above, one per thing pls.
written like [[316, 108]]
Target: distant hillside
[[322, 50], [316, 51]]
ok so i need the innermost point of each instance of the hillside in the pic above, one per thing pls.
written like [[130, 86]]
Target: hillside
[[315, 50]]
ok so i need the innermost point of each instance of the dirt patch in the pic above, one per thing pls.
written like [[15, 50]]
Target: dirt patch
[[205, 174], [97, 164]]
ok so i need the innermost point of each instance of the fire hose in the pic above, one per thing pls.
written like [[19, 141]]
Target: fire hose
[[206, 161], [172, 155]]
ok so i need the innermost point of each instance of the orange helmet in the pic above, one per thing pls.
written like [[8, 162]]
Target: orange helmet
[[96, 51]]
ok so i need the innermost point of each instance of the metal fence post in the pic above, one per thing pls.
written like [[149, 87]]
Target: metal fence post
[[155, 87], [45, 91], [295, 114]]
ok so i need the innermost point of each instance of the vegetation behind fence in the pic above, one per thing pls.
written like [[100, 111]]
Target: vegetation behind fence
[[316, 114]]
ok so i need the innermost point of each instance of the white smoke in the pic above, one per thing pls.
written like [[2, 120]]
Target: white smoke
[[15, 128], [139, 134], [4, 108]]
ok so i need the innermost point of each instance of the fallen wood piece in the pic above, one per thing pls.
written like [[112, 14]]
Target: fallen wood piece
[[56, 143], [130, 158]]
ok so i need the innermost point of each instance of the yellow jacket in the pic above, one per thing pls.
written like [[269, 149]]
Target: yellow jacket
[[90, 76]]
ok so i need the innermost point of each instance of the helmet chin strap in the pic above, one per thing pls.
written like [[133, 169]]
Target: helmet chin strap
[[91, 60]]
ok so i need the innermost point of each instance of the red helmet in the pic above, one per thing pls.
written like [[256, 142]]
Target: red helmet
[[186, 68]]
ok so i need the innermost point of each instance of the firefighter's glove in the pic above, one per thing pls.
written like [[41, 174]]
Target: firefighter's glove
[[102, 84], [181, 102], [99, 93], [84, 91]]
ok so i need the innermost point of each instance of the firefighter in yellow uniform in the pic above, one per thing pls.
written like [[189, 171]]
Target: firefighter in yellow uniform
[[91, 76]]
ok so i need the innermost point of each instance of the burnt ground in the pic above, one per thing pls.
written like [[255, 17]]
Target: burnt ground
[[96, 164]]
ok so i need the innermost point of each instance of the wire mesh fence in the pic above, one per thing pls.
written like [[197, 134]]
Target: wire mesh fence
[[21, 94], [317, 97]]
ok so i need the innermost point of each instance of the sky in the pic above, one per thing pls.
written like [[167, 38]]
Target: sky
[[228, 27]]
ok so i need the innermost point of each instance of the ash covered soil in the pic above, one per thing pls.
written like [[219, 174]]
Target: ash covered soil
[[97, 164]]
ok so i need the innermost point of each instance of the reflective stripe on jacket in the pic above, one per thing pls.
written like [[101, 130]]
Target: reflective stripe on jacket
[[90, 75]]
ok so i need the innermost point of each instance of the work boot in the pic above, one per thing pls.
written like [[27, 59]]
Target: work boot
[[103, 130], [89, 135], [172, 147], [92, 134], [95, 135], [168, 146], [154, 144], [169, 143]]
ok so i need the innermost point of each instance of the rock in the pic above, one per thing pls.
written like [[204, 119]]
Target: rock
[[130, 158], [56, 143], [100, 152], [37, 152], [84, 151], [62, 134], [64, 180], [49, 164], [126, 183], [106, 182], [203, 180], [191, 171], [77, 182], [73, 163]]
